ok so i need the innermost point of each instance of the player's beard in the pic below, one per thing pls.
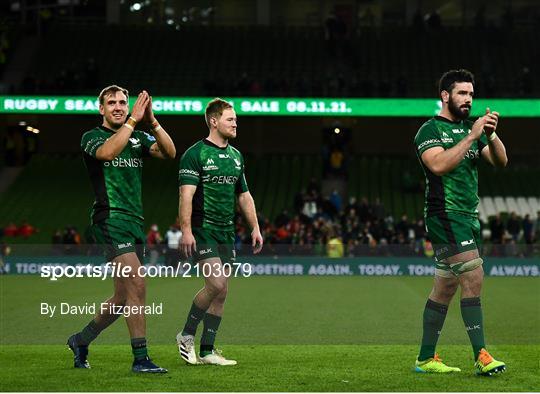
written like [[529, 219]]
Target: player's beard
[[462, 112], [228, 135]]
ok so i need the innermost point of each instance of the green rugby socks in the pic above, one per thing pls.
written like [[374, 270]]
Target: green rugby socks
[[471, 312], [138, 347], [88, 334], [211, 325], [434, 315], [195, 316]]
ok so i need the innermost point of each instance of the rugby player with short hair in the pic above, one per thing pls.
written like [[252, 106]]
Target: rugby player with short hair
[[449, 147], [212, 179], [113, 154]]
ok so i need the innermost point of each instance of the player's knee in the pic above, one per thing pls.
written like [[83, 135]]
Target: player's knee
[[118, 299], [449, 289], [215, 288], [220, 298], [136, 288]]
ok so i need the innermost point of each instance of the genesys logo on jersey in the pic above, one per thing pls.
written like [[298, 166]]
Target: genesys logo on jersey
[[119, 162], [472, 154], [220, 180]]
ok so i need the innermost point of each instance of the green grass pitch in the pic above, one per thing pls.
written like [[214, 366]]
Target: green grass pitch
[[287, 333]]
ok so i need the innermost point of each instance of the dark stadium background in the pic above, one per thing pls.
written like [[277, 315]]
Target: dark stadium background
[[290, 333]]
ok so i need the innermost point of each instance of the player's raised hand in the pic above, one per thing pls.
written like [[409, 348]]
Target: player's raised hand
[[256, 240], [188, 245], [478, 127], [139, 107], [149, 113], [491, 121]]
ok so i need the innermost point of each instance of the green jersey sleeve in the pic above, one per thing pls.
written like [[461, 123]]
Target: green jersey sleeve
[[241, 184], [427, 137], [91, 141], [190, 168]]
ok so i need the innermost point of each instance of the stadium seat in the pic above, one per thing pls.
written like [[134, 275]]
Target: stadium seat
[[524, 206], [488, 206], [512, 205], [534, 204], [500, 205], [482, 212]]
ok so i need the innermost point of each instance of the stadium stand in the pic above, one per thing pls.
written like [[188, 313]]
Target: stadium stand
[[374, 62], [42, 195]]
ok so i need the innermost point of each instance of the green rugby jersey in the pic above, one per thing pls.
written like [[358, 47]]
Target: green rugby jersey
[[116, 183], [456, 191], [218, 174]]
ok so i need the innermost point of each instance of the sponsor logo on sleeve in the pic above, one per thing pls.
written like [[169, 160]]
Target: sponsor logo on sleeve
[[433, 141], [188, 172]]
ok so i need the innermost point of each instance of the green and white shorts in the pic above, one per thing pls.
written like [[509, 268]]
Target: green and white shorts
[[453, 233]]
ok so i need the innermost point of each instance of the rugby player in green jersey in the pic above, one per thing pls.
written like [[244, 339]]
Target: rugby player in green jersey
[[448, 147], [113, 154], [211, 179]]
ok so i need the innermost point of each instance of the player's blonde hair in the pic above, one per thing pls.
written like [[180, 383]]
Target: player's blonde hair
[[215, 108], [110, 90]]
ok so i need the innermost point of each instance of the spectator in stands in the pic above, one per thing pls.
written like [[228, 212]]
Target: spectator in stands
[[351, 206], [403, 227], [26, 230], [536, 230], [335, 199], [419, 236], [282, 219], [310, 207], [497, 233], [528, 234], [11, 230], [56, 241], [5, 250], [377, 210], [71, 238], [364, 210], [513, 226], [172, 238], [334, 246], [153, 242]]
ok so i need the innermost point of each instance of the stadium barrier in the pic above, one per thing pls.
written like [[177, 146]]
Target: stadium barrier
[[290, 266]]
